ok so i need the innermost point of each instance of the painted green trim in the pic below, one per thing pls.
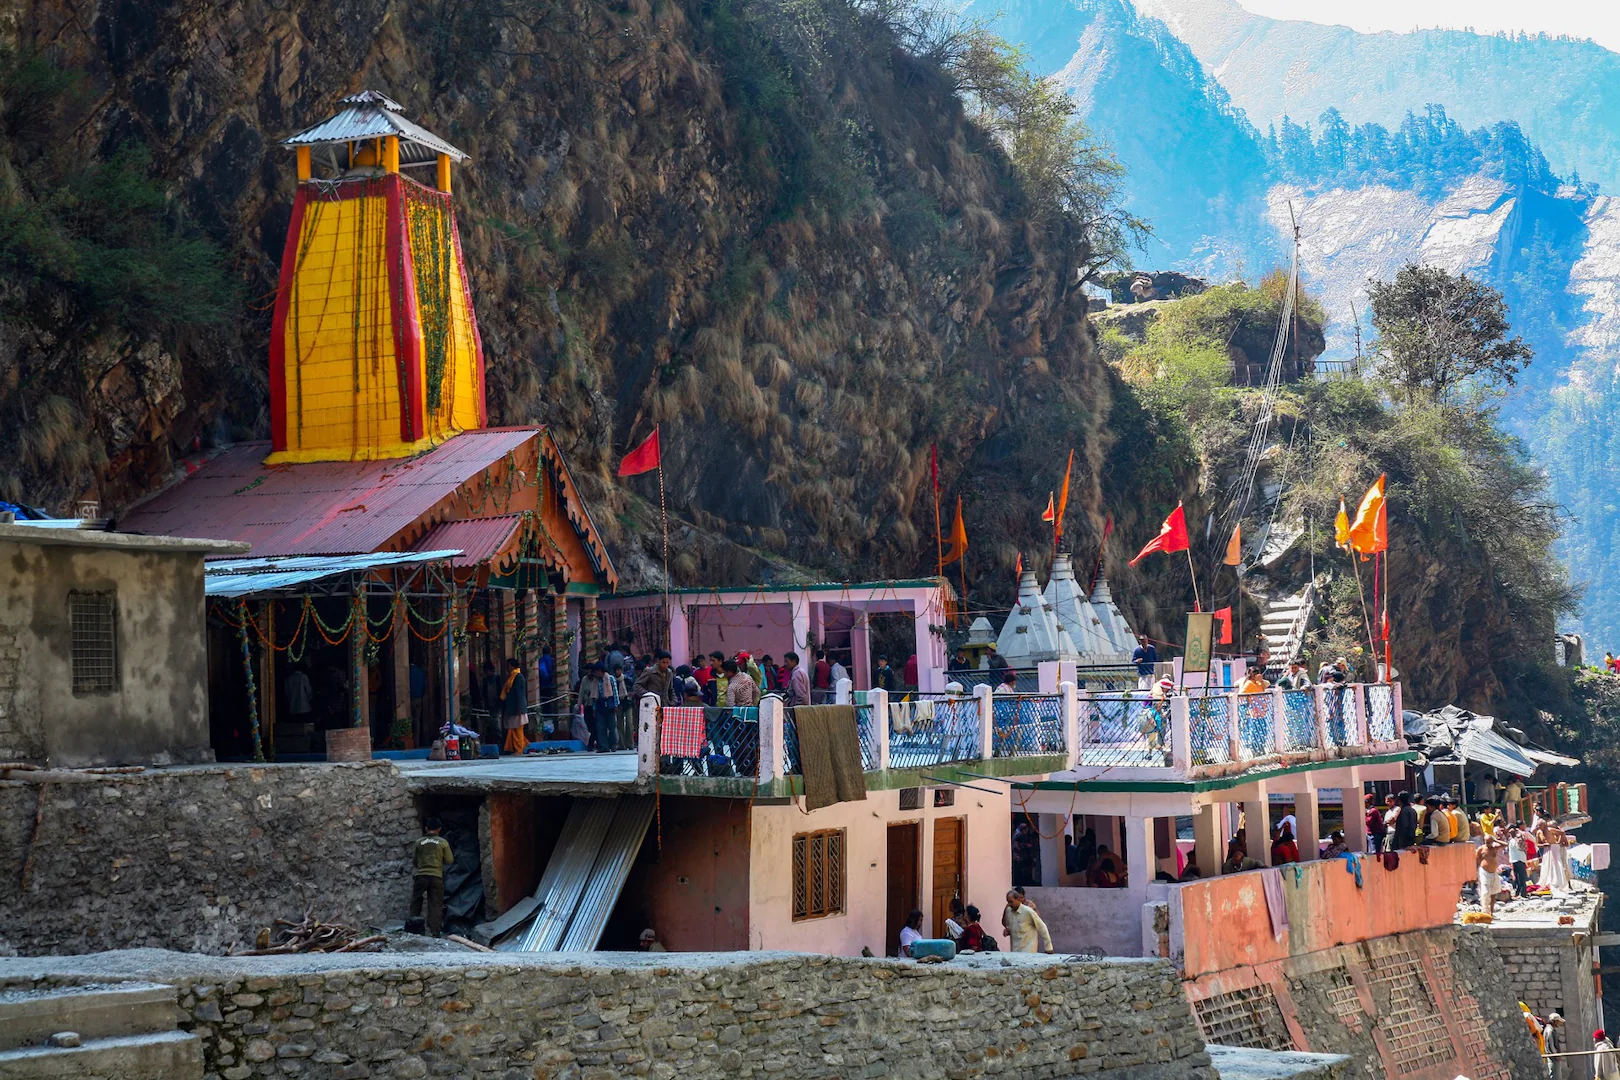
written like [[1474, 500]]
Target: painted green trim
[[583, 588], [1220, 783]]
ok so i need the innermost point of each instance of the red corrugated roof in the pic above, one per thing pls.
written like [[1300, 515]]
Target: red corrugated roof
[[479, 540], [321, 508]]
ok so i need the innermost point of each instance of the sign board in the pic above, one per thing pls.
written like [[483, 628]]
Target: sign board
[[1200, 641]]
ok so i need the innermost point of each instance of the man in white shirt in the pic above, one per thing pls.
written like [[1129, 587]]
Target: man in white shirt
[[839, 671]]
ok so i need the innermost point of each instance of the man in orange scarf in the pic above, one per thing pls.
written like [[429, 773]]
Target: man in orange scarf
[[515, 708]]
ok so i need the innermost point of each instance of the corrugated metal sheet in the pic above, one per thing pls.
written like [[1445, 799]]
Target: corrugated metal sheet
[[479, 540], [370, 115], [568, 872], [320, 508], [608, 875], [245, 577]]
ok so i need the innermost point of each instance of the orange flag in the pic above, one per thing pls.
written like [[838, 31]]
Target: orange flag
[[1049, 514], [644, 458], [1063, 495], [1234, 547], [1172, 536], [1018, 567], [1369, 533], [958, 538]]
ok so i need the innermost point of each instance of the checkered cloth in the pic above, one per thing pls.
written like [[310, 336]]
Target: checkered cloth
[[681, 731]]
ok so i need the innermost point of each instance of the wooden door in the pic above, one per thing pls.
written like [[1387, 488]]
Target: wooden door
[[905, 851], [950, 868]]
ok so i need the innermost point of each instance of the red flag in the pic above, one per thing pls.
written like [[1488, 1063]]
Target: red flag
[[1224, 617], [1048, 514], [644, 458], [1108, 527], [1172, 536]]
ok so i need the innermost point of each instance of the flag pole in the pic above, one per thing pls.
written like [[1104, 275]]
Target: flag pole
[[1197, 604], [663, 516]]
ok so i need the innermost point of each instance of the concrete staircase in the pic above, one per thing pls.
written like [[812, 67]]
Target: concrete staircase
[[124, 1031], [1285, 623]]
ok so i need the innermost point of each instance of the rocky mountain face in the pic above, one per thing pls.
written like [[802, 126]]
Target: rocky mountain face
[[762, 225]]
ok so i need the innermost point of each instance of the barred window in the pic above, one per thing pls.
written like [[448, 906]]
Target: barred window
[[93, 625], [818, 874]]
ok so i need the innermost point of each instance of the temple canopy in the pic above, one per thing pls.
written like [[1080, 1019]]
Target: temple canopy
[[371, 115]]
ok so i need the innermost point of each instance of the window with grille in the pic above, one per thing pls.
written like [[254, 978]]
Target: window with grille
[[818, 874], [911, 798], [93, 623], [944, 796]]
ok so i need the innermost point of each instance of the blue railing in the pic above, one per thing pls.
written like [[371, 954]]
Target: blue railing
[[1299, 712], [1209, 729], [1124, 730], [1340, 715], [728, 746], [930, 730], [869, 737], [1027, 724], [1256, 725], [1381, 712]]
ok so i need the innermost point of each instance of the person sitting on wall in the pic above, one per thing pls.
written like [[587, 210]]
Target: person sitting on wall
[[973, 935], [1336, 845], [1254, 682], [1283, 849], [911, 932], [1008, 683], [1190, 872], [1107, 872]]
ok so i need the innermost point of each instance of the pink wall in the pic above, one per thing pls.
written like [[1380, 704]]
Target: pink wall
[[1224, 922], [761, 629], [770, 909]]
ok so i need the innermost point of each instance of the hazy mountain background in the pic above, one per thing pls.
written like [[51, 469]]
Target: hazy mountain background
[[1493, 155]]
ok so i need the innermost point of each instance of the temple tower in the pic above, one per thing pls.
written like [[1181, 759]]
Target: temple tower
[[374, 348]]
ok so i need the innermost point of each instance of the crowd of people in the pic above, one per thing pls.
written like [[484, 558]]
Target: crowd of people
[[1021, 925]]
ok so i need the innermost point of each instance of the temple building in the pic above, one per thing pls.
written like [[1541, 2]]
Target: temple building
[[401, 550]]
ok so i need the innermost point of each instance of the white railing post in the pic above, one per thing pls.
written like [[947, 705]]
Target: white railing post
[[1395, 703], [1070, 702], [1321, 715], [1046, 676], [878, 699], [1180, 734], [1279, 720], [1234, 732], [844, 692], [987, 722], [770, 738], [647, 737], [1359, 696]]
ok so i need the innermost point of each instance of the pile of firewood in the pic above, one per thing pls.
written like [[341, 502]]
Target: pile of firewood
[[310, 935]]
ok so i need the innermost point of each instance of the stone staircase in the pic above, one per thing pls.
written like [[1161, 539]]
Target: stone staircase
[[123, 1031], [1285, 623]]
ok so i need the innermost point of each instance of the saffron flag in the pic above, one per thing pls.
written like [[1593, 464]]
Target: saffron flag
[[1369, 533], [1224, 617], [644, 458], [1172, 536], [1108, 527], [1341, 527], [958, 537], [1234, 549], [1018, 567], [1049, 514], [1063, 495]]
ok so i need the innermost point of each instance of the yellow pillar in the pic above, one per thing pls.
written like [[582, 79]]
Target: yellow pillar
[[444, 172], [391, 154], [304, 172]]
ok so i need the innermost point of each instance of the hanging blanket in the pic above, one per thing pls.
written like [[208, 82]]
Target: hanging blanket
[[830, 755], [1271, 881], [680, 731]]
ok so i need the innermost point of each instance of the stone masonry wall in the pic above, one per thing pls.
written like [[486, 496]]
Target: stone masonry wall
[[1430, 1005], [197, 858], [1551, 968], [693, 1016]]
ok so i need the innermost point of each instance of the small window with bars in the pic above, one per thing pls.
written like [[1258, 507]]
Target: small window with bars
[[911, 798], [818, 874], [93, 625]]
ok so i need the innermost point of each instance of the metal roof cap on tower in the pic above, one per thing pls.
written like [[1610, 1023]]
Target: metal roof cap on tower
[[371, 115]]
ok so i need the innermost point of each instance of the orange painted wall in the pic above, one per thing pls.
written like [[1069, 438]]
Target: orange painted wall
[[1225, 922]]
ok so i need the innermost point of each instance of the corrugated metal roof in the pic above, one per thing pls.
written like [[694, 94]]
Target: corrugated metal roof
[[568, 872], [1480, 743], [480, 540], [371, 115], [246, 577], [612, 868], [320, 508]]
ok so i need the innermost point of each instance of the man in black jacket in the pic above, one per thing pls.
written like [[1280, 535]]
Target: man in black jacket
[[1406, 822]]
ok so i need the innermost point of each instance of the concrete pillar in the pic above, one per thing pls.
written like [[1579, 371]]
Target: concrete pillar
[[1139, 858], [360, 697], [680, 634], [843, 692], [879, 701], [1069, 700], [1046, 675], [1279, 722], [1321, 716], [1257, 823], [927, 671], [1180, 734], [647, 736], [1355, 813], [1234, 727], [770, 738], [801, 632], [860, 647], [1209, 841], [561, 660], [1051, 828], [1400, 722], [1359, 723], [987, 723], [1307, 813]]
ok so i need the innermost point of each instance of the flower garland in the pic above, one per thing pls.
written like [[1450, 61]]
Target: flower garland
[[252, 686]]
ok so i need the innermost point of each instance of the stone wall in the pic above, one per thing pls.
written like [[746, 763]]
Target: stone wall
[[198, 857], [1551, 968], [693, 1016], [1430, 1005]]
